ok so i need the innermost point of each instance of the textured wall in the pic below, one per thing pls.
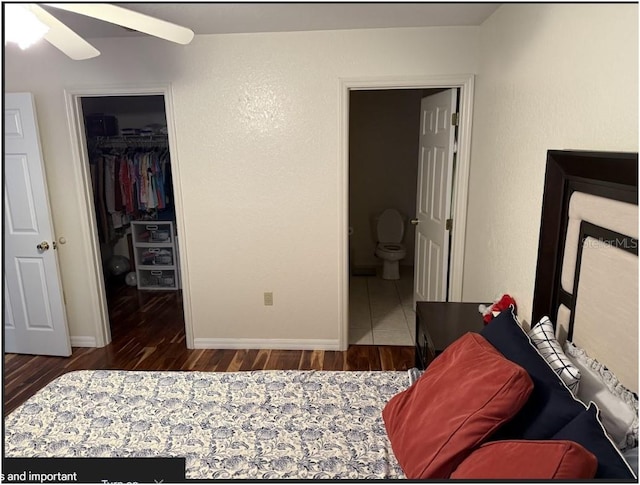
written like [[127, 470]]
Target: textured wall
[[550, 77], [257, 119]]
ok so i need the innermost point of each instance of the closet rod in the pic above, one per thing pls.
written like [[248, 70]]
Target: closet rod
[[127, 141]]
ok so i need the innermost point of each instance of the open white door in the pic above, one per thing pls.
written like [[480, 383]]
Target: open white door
[[435, 171], [35, 321]]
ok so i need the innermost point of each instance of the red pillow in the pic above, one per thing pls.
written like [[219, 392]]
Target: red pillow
[[463, 396], [528, 459]]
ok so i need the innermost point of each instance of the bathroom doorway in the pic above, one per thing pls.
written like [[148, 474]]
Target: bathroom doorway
[[381, 156]]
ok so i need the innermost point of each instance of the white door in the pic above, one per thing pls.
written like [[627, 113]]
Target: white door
[[433, 207], [35, 321]]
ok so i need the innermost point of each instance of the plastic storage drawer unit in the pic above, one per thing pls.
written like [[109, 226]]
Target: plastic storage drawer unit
[[155, 251]]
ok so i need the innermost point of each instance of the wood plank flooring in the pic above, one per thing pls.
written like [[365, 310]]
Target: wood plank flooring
[[147, 331]]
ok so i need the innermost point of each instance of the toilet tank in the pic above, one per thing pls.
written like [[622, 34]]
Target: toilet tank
[[390, 226]]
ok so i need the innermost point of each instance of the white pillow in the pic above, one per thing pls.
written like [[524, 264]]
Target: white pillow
[[618, 405], [542, 335]]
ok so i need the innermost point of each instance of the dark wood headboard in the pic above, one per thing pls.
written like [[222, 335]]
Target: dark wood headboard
[[612, 175]]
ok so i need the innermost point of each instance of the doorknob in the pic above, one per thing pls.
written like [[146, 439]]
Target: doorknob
[[43, 246], [415, 222]]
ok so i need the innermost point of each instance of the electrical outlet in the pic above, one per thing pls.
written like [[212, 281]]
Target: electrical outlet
[[268, 298]]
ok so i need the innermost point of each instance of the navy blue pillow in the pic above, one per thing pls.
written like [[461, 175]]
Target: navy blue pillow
[[585, 429], [551, 405]]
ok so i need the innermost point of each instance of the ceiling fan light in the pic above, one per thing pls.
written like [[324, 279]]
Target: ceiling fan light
[[22, 27]]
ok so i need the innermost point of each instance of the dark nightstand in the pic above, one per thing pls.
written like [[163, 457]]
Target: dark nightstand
[[439, 324]]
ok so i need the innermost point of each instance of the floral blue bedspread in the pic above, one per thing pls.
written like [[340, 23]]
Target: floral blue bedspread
[[259, 424]]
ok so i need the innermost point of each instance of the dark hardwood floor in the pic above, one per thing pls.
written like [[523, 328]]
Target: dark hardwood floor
[[147, 331]]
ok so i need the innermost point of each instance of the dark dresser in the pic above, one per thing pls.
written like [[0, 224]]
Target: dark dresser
[[439, 324]]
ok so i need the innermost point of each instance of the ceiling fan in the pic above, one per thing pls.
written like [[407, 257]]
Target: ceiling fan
[[74, 46]]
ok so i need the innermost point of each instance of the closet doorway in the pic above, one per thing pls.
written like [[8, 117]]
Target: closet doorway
[[129, 166]]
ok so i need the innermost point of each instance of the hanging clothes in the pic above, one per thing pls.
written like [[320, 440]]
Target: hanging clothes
[[129, 184]]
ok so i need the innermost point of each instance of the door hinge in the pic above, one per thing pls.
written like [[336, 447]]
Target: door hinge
[[449, 224], [454, 119]]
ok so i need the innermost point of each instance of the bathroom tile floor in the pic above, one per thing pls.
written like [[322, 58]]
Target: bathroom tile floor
[[381, 311]]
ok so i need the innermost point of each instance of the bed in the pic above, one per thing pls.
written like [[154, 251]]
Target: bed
[[587, 269], [260, 424], [329, 425]]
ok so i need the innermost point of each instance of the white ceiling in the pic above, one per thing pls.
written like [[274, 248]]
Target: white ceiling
[[223, 18]]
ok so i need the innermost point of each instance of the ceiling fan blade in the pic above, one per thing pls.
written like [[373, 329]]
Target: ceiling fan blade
[[62, 37], [129, 18]]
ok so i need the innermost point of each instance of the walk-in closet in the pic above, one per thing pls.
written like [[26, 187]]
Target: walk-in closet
[[130, 166]]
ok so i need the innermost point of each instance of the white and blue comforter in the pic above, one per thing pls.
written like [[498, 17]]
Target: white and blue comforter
[[260, 424]]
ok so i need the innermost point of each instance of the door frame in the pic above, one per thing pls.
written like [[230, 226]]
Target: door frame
[[75, 121], [465, 82]]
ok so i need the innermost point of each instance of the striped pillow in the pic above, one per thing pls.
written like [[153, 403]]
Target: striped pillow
[[542, 335]]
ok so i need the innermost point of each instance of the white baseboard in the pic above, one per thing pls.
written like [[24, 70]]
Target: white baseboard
[[83, 341], [273, 344]]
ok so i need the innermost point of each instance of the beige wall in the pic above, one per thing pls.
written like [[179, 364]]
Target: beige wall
[[257, 119], [383, 166], [550, 77]]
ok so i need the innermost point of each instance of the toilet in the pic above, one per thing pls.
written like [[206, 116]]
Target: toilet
[[390, 230]]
